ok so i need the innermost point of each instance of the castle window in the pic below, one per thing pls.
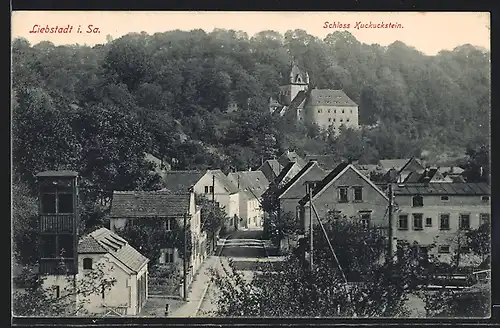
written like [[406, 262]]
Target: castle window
[[319, 110], [329, 119], [341, 120], [328, 111], [335, 111], [351, 111], [334, 119], [347, 120], [342, 111]]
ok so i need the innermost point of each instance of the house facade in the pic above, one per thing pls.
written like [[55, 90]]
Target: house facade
[[324, 107], [213, 184], [165, 210], [105, 249], [346, 193], [251, 185], [440, 214]]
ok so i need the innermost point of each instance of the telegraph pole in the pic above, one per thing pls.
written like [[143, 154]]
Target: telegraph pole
[[185, 259], [390, 212], [311, 247]]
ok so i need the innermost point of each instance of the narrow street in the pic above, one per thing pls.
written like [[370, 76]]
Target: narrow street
[[248, 252]]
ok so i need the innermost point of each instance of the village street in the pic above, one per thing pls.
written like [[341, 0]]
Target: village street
[[248, 252]]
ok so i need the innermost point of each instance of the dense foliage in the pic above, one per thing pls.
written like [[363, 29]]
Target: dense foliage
[[97, 109], [35, 299]]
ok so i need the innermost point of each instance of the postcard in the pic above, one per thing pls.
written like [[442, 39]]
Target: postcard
[[201, 164]]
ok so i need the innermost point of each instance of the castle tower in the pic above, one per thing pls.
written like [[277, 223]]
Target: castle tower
[[298, 81]]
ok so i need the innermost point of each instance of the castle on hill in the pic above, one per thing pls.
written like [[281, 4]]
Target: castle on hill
[[325, 107]]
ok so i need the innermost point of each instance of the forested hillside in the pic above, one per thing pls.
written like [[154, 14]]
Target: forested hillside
[[97, 109]]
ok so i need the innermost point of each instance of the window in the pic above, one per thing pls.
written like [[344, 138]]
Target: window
[[168, 224], [418, 201], [48, 246], [65, 204], [206, 189], [341, 120], [351, 111], [444, 222], [445, 198], [49, 203], [334, 119], [87, 263], [347, 120], [66, 246], [365, 220], [217, 204], [342, 111], [443, 249], [464, 221], [485, 198], [328, 110], [166, 256], [211, 189], [343, 195], [329, 119], [358, 194], [428, 222], [319, 110], [417, 221], [334, 111], [103, 291], [464, 249], [484, 218], [403, 222], [57, 291]]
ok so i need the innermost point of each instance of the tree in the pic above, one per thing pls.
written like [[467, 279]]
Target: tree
[[212, 218], [24, 223], [375, 289], [40, 300]]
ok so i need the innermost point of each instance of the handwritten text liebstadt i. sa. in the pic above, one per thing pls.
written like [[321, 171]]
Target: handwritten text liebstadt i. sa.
[[65, 29], [360, 25]]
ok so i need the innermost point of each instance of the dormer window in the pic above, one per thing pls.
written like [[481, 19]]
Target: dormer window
[[485, 198]]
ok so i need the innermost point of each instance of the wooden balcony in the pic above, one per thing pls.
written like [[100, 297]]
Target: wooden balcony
[[58, 266], [57, 223]]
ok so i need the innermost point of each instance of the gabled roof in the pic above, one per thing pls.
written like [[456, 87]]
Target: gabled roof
[[280, 179], [291, 156], [88, 245], [224, 180], [297, 71], [410, 165], [118, 247], [327, 97], [296, 177], [327, 162], [271, 166], [254, 182], [395, 163], [142, 204], [299, 99], [181, 180], [334, 175], [311, 171], [443, 188]]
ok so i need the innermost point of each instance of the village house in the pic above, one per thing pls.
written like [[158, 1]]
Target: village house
[[214, 185], [168, 211], [289, 157], [299, 102], [106, 251], [429, 175], [440, 213], [346, 193], [288, 196], [251, 184], [271, 168]]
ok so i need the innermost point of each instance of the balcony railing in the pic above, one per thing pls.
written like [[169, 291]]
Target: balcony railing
[[58, 266], [57, 223]]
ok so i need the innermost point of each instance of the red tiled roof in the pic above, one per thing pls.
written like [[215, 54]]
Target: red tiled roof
[[137, 204]]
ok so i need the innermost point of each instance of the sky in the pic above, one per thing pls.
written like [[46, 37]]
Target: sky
[[429, 32]]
